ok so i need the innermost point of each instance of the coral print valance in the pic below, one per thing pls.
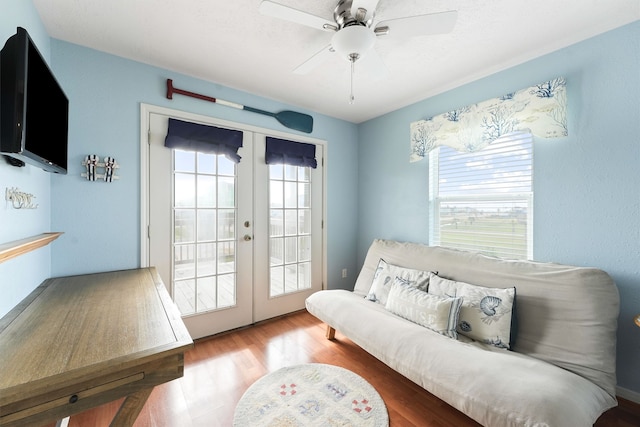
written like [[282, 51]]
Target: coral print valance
[[540, 109]]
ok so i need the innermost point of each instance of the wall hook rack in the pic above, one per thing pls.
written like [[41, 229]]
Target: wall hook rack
[[20, 200], [92, 165]]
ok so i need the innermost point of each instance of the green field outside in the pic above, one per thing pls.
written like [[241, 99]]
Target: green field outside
[[484, 234]]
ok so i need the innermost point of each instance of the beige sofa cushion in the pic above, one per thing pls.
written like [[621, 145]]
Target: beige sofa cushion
[[486, 313], [385, 275], [567, 315], [436, 312]]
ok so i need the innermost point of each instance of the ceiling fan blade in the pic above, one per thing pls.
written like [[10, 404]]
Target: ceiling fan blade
[[420, 25], [368, 5], [372, 66], [287, 13], [316, 60]]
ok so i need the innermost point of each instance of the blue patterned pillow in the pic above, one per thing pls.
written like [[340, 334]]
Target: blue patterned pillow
[[486, 314], [385, 275], [438, 313]]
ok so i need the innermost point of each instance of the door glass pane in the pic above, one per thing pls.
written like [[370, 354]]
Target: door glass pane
[[185, 190], [226, 192], [184, 161], [289, 229], [184, 261], [207, 258], [276, 282], [290, 195], [226, 257], [184, 225], [290, 250], [276, 194], [204, 222], [207, 163], [304, 198], [207, 191], [304, 248], [184, 292], [291, 222], [276, 223], [226, 224], [226, 290], [207, 293], [226, 166], [304, 221], [276, 250]]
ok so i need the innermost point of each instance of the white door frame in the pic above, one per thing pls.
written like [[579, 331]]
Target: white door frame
[[147, 109]]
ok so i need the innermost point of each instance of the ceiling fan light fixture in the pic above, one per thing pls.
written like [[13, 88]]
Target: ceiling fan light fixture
[[355, 39]]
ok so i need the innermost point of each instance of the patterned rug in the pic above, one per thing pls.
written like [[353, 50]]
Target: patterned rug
[[312, 394]]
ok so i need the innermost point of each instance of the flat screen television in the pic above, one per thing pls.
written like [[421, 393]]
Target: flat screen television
[[34, 110]]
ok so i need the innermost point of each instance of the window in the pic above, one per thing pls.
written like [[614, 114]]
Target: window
[[289, 228], [483, 201]]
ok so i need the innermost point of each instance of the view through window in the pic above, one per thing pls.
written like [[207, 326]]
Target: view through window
[[483, 201], [289, 228]]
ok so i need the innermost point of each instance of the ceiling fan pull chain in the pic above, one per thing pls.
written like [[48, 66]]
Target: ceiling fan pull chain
[[351, 97], [352, 58]]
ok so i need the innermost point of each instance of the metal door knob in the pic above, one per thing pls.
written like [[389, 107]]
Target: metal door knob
[[247, 237]]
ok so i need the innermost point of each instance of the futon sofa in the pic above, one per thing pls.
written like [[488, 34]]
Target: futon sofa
[[509, 343]]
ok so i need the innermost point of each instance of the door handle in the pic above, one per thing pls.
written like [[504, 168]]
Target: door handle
[[247, 237]]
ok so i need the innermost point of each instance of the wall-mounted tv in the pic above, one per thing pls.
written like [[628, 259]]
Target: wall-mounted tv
[[34, 110]]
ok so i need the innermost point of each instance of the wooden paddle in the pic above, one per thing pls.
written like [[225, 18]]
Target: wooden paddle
[[290, 119]]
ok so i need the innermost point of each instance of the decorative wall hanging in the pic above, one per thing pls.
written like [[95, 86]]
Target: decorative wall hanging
[[94, 168], [290, 119], [540, 109], [19, 200]]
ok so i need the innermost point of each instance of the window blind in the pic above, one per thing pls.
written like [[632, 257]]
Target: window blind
[[190, 136], [483, 201], [282, 151]]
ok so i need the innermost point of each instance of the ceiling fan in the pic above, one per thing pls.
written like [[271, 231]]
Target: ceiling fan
[[355, 30]]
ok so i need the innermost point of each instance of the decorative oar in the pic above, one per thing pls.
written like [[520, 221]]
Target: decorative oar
[[290, 119]]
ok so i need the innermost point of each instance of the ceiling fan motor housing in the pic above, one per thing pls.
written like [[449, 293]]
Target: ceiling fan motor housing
[[344, 18], [353, 40]]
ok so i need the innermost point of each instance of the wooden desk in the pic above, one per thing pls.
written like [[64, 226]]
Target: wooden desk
[[81, 341]]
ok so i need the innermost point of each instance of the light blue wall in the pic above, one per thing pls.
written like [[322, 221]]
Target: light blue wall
[[102, 221], [587, 186], [19, 276]]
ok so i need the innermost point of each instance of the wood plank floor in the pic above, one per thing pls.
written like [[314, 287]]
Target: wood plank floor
[[218, 370]]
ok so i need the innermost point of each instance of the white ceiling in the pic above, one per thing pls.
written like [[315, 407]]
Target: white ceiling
[[230, 43]]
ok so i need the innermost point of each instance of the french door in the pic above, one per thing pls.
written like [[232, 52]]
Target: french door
[[235, 243]]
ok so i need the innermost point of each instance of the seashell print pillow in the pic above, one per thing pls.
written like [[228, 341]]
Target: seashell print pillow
[[385, 275], [435, 312], [487, 314]]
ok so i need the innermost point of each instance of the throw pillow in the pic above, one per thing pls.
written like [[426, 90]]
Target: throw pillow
[[486, 314], [438, 313], [386, 273]]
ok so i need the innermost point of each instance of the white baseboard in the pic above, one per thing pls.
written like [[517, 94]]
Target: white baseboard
[[628, 394]]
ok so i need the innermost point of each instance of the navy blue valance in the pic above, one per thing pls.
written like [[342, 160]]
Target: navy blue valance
[[281, 151], [203, 138]]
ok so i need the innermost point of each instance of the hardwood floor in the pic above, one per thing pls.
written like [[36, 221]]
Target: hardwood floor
[[218, 370]]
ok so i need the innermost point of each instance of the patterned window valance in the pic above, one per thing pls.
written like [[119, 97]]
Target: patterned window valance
[[540, 109]]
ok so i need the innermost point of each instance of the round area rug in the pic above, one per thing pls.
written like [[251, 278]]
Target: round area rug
[[312, 394]]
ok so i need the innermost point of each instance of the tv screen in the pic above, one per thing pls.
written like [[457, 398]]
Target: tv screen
[[34, 110]]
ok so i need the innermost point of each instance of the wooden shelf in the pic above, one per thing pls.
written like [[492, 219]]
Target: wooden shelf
[[22, 246]]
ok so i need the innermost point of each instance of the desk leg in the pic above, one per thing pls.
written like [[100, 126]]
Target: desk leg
[[131, 408]]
